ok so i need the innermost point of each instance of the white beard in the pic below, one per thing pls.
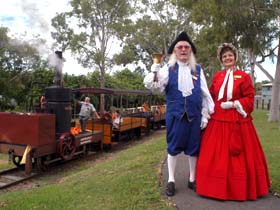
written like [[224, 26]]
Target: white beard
[[192, 60]]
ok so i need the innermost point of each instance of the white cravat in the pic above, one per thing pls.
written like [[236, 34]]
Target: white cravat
[[185, 82], [229, 78]]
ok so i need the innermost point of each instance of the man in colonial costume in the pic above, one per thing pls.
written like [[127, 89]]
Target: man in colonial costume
[[189, 104]]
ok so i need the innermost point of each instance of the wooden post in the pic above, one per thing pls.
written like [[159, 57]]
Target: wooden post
[[28, 163], [268, 105]]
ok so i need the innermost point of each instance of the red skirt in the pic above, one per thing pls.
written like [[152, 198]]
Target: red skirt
[[231, 164]]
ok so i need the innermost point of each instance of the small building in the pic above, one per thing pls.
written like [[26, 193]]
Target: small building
[[267, 92]]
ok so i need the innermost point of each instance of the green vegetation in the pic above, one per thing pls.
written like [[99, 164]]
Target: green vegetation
[[128, 180], [5, 162], [269, 135]]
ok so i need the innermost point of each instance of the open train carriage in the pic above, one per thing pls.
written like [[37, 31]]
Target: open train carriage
[[134, 121], [158, 116]]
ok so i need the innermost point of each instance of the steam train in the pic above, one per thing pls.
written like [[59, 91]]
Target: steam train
[[41, 138], [38, 139]]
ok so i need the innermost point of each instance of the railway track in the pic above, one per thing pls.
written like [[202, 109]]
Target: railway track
[[13, 176]]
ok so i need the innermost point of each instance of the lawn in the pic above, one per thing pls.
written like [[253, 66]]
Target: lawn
[[129, 179], [269, 134]]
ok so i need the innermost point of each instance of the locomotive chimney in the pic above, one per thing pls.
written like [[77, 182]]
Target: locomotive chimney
[[58, 68], [58, 97]]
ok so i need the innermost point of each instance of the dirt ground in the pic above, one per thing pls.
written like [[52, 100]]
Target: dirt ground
[[55, 173]]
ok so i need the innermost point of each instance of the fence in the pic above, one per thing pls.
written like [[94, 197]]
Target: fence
[[262, 104]]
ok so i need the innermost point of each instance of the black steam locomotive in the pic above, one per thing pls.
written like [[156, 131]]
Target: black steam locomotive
[[41, 138]]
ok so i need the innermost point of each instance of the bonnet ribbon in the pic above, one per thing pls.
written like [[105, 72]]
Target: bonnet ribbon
[[228, 78]]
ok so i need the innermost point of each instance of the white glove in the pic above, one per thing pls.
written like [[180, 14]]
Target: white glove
[[227, 105], [155, 67], [205, 113], [237, 105], [204, 122]]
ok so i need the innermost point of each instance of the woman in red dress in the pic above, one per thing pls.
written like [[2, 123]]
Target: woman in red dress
[[231, 163]]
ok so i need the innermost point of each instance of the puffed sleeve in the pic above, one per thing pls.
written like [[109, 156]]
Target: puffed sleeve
[[247, 94], [160, 84], [207, 101], [212, 87]]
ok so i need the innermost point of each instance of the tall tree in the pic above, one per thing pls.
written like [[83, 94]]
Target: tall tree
[[157, 23], [274, 112], [250, 24], [240, 22], [91, 32], [17, 59]]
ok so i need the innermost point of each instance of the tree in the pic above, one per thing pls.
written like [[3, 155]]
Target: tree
[[93, 28], [250, 25], [35, 86], [274, 112], [79, 81], [157, 23], [17, 59], [134, 80], [239, 22]]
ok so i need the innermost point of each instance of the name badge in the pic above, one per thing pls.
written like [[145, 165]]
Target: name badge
[[237, 76]]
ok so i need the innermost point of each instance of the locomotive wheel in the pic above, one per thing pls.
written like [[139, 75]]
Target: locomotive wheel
[[16, 160], [40, 164], [158, 125], [66, 146], [107, 147]]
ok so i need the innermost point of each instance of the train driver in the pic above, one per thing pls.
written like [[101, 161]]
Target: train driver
[[85, 113]]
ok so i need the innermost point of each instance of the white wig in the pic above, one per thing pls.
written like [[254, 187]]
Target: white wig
[[192, 60]]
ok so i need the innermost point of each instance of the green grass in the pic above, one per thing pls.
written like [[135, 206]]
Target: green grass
[[129, 180], [5, 162], [269, 135]]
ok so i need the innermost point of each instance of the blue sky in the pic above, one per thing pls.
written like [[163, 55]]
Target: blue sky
[[33, 17], [7, 19]]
